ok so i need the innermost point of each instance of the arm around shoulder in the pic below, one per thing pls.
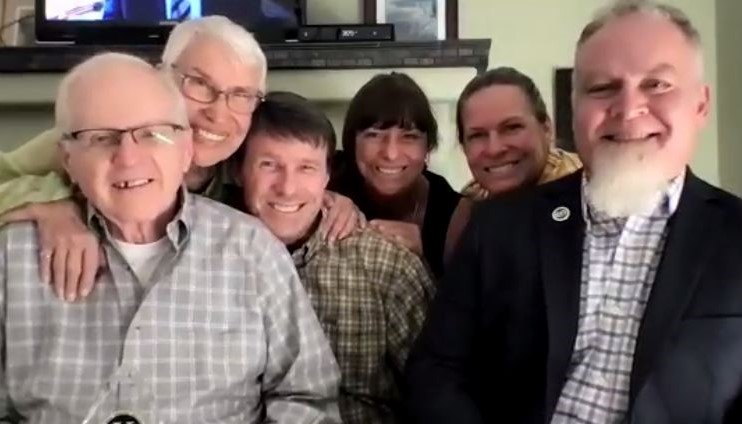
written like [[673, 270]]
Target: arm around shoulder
[[37, 156], [32, 173]]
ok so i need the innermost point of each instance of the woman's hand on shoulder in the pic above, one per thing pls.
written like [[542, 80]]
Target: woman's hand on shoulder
[[70, 254], [341, 217], [403, 233]]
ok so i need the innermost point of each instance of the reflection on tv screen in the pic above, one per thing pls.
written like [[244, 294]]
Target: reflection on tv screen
[[250, 13]]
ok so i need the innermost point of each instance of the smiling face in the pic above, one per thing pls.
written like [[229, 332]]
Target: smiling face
[[284, 182], [217, 130], [638, 80], [130, 182], [390, 160], [504, 143]]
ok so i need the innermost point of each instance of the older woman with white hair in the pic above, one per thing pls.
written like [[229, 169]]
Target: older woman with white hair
[[221, 72]]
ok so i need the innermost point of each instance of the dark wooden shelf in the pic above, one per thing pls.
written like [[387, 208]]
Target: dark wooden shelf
[[450, 53]]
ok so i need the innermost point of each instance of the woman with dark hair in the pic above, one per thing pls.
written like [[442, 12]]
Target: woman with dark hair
[[507, 135], [388, 134]]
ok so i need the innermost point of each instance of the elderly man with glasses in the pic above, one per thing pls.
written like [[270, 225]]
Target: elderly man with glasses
[[221, 72], [200, 316]]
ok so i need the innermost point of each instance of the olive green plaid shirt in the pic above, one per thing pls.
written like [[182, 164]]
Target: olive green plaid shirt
[[371, 297]]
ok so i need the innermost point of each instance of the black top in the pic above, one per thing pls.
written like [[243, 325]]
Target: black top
[[442, 201]]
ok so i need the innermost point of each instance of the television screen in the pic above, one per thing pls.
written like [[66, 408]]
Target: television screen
[[258, 16]]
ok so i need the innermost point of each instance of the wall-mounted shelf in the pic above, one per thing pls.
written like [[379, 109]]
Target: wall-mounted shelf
[[436, 54], [326, 73], [330, 86]]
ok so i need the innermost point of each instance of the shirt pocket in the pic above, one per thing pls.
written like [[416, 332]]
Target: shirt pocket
[[229, 350]]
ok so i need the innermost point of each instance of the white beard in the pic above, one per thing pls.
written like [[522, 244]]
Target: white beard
[[625, 179]]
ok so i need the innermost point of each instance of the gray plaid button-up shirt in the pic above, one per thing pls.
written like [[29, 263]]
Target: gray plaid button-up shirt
[[619, 263], [223, 334]]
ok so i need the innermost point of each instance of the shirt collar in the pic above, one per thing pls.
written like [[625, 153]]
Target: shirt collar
[[177, 231], [303, 254], [558, 164], [215, 189], [669, 201]]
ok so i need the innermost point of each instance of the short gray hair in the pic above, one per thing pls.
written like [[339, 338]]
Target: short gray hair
[[63, 105], [622, 8], [242, 42]]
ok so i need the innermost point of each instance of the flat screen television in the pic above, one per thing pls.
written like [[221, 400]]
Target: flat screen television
[[150, 21]]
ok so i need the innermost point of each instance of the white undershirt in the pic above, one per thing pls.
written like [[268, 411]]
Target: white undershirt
[[143, 258]]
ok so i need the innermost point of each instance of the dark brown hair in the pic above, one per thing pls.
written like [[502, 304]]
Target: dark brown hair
[[289, 115], [385, 101]]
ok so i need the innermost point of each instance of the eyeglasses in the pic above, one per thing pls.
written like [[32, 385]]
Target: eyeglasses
[[240, 100], [110, 138]]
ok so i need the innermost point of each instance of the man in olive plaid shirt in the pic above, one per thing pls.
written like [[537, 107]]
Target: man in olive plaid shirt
[[369, 294]]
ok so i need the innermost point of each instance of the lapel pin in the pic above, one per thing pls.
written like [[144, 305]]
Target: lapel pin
[[560, 214]]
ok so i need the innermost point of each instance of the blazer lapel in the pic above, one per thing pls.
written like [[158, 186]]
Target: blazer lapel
[[561, 264], [692, 230]]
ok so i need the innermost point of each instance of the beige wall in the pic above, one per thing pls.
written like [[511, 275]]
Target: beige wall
[[534, 35], [20, 123], [729, 53], [537, 36]]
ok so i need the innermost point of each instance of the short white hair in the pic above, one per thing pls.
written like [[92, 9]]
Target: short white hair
[[622, 8], [63, 106], [241, 41]]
